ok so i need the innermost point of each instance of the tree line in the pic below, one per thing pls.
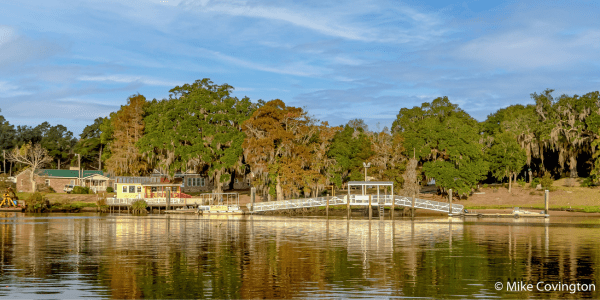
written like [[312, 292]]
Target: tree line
[[287, 153]]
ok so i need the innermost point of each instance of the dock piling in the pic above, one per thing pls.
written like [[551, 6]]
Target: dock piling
[[412, 209], [252, 198], [327, 207], [450, 201], [546, 200], [370, 209]]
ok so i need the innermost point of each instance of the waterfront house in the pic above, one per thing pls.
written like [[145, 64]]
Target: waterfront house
[[198, 183], [153, 187], [58, 179]]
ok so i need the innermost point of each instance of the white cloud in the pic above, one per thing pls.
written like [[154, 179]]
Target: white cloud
[[538, 44], [9, 90], [295, 68], [306, 19], [6, 34], [129, 79]]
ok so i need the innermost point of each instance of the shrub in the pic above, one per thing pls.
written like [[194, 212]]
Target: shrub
[[36, 202], [534, 182], [80, 190], [521, 182], [139, 206], [587, 182], [101, 203], [42, 188], [547, 181], [110, 189], [485, 185]]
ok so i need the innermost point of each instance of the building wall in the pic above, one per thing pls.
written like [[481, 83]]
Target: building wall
[[208, 187], [128, 195], [241, 185], [58, 184]]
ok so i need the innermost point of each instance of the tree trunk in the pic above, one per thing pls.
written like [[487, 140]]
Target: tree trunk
[[31, 175], [279, 189], [573, 166], [218, 188], [59, 163], [510, 175], [100, 159]]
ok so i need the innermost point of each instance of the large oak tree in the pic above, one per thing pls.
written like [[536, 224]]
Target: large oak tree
[[199, 127]]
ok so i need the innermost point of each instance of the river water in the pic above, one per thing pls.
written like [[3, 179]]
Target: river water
[[58, 256]]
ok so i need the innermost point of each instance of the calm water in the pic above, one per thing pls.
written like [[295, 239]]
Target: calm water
[[121, 256]]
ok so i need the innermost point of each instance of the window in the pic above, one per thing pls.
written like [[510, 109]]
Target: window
[[198, 181], [154, 189], [124, 189], [132, 189], [47, 182], [139, 189]]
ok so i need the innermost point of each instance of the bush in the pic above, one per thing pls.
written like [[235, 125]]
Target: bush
[[80, 190], [521, 182], [42, 188], [139, 206], [110, 189], [101, 203], [534, 182], [36, 202], [587, 182], [485, 185], [547, 181]]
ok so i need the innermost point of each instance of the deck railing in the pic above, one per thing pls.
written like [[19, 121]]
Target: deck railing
[[356, 201]]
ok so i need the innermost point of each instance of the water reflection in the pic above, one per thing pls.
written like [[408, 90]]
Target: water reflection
[[157, 256]]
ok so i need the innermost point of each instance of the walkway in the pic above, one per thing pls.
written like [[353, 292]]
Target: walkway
[[356, 200]]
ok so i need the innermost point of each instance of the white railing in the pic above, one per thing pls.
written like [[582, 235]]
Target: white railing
[[152, 201], [356, 200]]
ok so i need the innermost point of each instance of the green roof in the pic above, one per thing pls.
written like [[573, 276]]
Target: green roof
[[69, 173]]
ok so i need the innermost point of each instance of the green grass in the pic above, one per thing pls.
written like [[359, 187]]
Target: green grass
[[72, 206], [575, 208]]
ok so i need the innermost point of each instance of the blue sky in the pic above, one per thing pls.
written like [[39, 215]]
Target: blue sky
[[69, 62]]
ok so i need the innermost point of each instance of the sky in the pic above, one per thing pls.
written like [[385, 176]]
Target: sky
[[69, 62]]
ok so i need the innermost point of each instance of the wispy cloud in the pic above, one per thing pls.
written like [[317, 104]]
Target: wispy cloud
[[119, 78], [9, 90]]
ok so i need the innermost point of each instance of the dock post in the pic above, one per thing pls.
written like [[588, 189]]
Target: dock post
[[348, 203], [412, 210], [380, 205], [546, 199], [168, 198], [252, 198], [393, 207], [327, 206], [450, 201], [370, 209]]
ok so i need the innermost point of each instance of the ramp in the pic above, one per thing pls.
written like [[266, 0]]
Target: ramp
[[356, 200]]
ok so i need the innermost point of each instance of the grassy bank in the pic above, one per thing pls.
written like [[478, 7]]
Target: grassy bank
[[577, 208]]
